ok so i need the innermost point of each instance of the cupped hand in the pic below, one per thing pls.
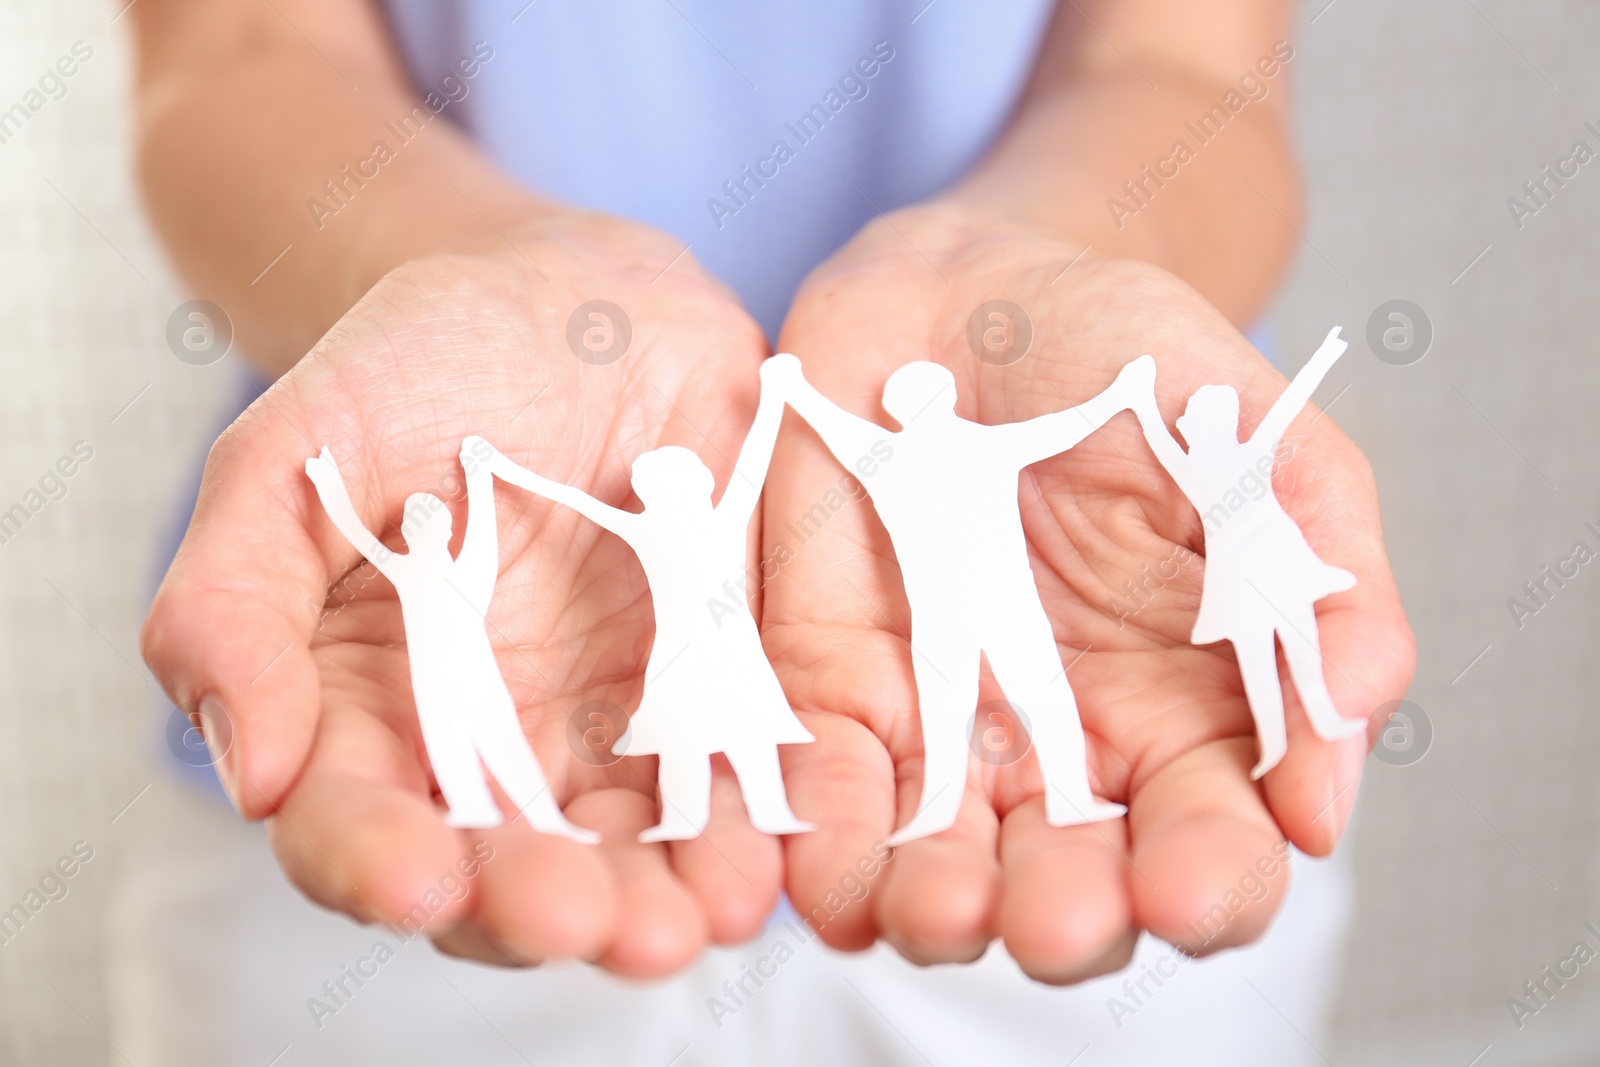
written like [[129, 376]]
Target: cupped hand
[[1115, 551], [273, 632]]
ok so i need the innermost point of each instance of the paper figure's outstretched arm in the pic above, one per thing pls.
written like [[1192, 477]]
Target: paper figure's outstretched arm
[[1170, 454], [478, 562], [755, 455], [616, 520], [1299, 392], [1050, 435], [847, 436], [324, 474]]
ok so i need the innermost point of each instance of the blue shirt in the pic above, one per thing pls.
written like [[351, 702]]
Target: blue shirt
[[763, 135]]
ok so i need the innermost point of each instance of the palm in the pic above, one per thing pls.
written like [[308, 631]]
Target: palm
[[1169, 730], [326, 738]]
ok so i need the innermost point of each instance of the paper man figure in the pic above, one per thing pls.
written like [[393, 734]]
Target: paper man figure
[[708, 686], [463, 707], [949, 503], [1261, 578]]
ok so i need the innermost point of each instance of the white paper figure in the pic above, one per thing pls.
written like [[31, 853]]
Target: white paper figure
[[708, 685], [1261, 577], [463, 707], [949, 502]]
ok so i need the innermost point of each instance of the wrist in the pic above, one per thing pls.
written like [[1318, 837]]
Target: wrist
[[951, 234], [550, 241], [472, 215]]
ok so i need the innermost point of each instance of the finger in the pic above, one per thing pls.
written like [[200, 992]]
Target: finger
[[1312, 791], [842, 782], [733, 869], [1066, 913], [659, 927], [470, 941], [941, 897], [1208, 860], [843, 667], [1368, 651], [359, 831], [377, 852], [231, 625], [540, 896]]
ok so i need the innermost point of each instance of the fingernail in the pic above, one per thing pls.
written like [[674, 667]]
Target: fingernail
[[1344, 781], [216, 727]]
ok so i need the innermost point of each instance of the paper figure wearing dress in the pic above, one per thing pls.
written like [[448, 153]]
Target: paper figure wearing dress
[[464, 709], [1262, 579], [948, 500], [708, 685]]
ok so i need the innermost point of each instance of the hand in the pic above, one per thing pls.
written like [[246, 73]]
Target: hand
[[269, 615], [1169, 731]]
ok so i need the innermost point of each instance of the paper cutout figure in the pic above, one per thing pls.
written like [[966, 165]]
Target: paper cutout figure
[[1261, 577], [708, 685], [949, 503], [463, 706]]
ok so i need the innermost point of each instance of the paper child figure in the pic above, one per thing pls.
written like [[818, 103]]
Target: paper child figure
[[708, 686], [949, 502], [463, 707], [1261, 578]]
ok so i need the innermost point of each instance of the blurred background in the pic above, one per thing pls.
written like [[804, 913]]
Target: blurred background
[[1476, 845]]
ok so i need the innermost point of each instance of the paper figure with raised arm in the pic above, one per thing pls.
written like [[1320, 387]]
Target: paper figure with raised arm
[[465, 711], [949, 503], [708, 685], [1262, 579]]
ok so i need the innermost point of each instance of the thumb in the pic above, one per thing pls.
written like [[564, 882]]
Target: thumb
[[229, 633]]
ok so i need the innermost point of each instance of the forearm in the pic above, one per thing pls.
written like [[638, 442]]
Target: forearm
[[245, 110], [1092, 155]]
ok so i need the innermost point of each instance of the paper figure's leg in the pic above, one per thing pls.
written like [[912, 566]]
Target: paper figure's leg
[[506, 752], [1258, 666], [685, 783], [761, 782], [1303, 651], [1028, 667], [447, 735], [946, 672]]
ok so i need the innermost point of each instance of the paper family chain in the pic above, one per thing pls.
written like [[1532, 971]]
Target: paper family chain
[[969, 586]]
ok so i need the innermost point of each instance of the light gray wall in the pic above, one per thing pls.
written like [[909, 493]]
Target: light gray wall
[[84, 299], [1417, 121]]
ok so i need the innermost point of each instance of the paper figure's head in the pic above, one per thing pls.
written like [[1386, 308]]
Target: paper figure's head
[[1211, 417], [919, 388], [672, 478], [426, 523]]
